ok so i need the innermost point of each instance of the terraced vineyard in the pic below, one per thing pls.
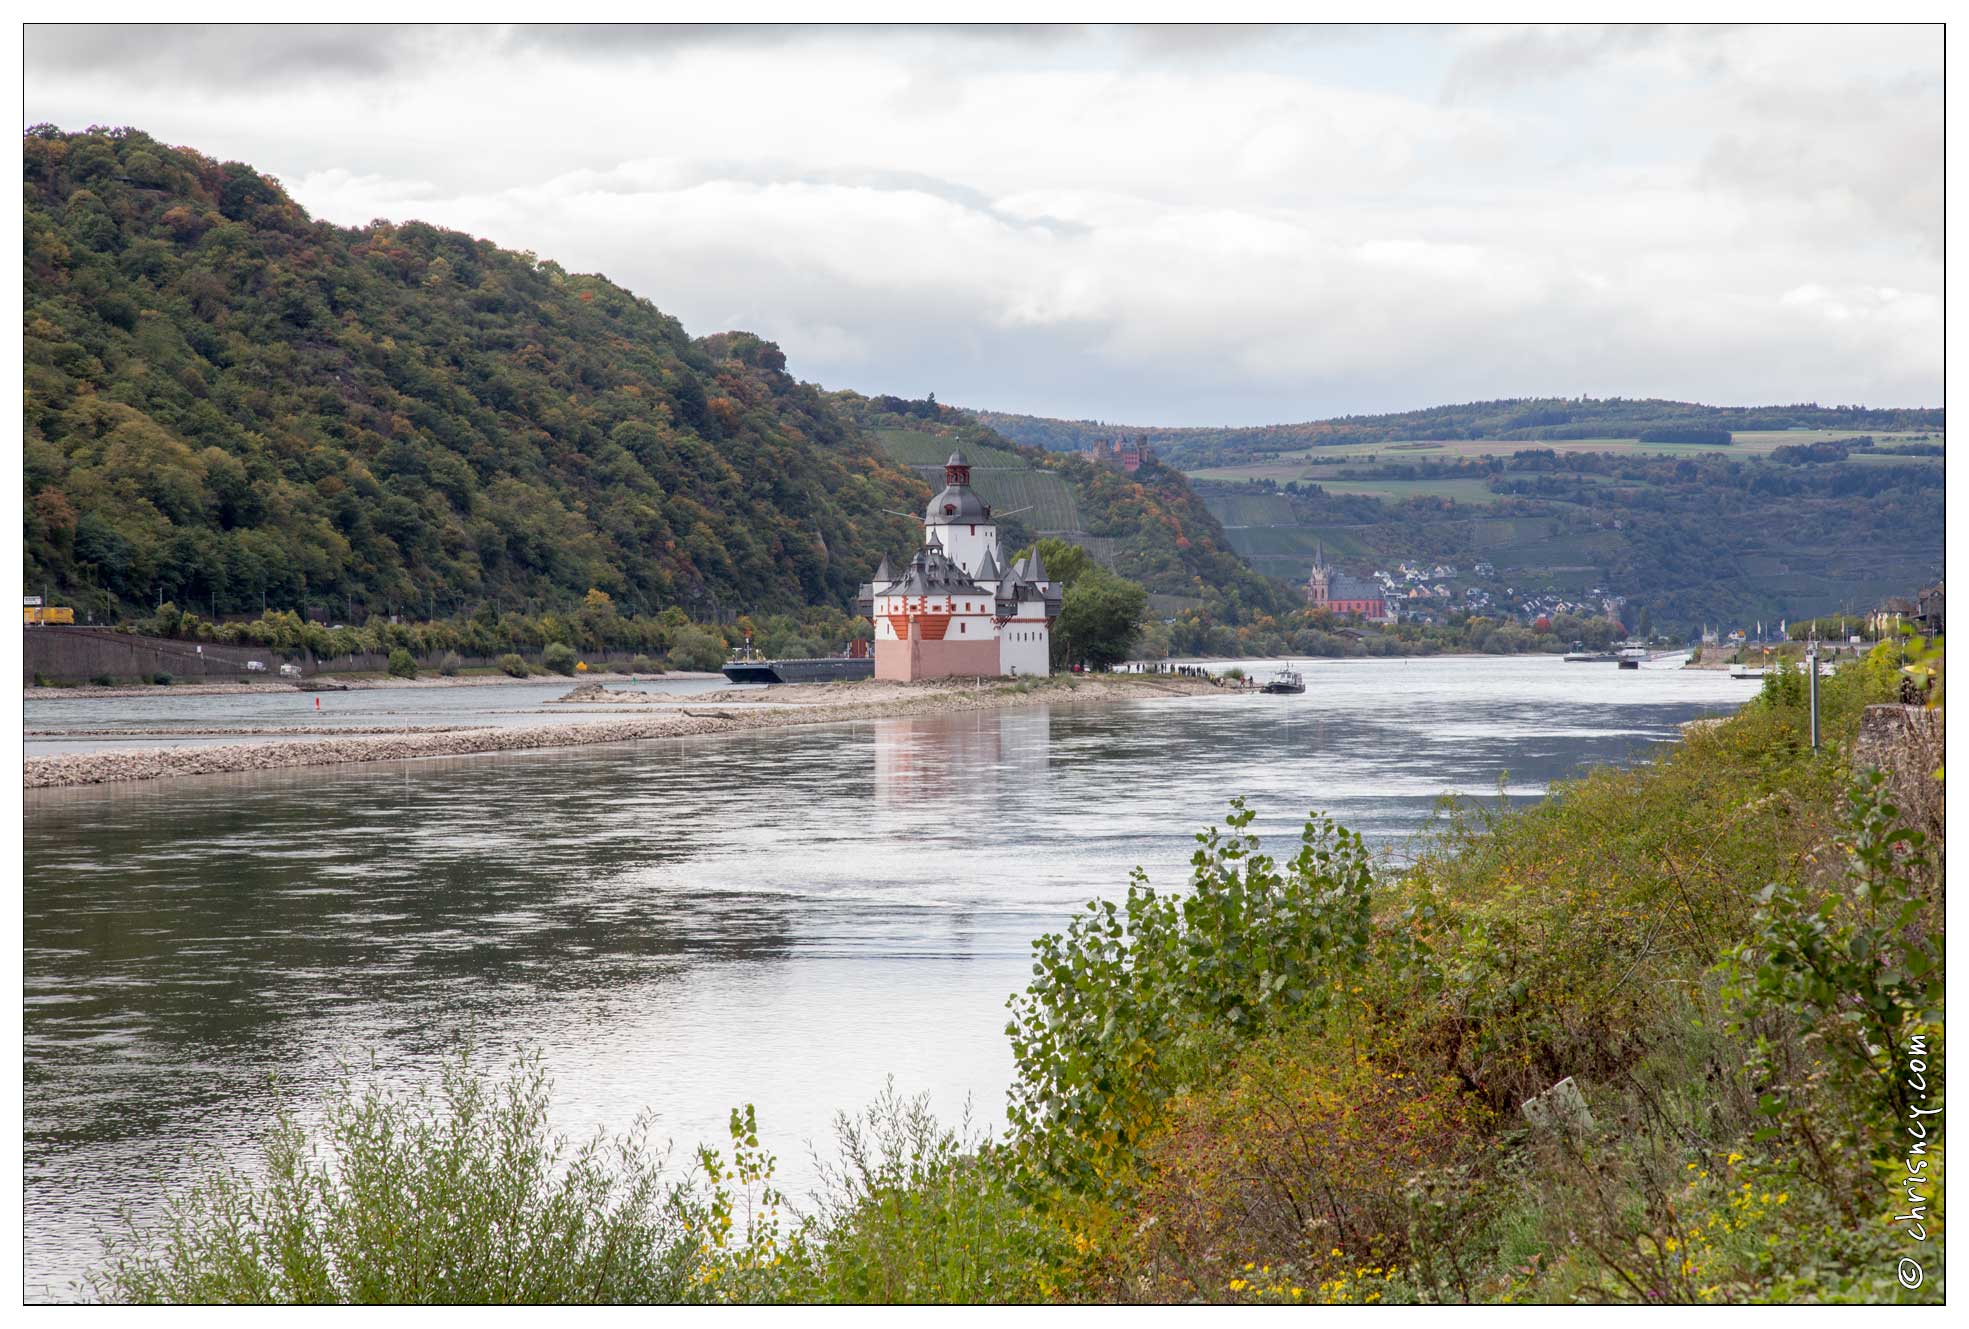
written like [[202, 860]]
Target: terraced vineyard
[[1003, 478]]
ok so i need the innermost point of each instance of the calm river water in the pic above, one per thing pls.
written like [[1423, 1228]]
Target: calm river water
[[783, 918]]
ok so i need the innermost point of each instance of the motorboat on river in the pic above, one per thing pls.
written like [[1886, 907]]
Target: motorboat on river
[[1286, 680]]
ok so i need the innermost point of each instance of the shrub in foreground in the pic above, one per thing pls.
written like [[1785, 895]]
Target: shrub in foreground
[[461, 1197], [513, 665], [402, 664], [559, 657]]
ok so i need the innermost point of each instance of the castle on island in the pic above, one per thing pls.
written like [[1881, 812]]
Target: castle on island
[[958, 609]]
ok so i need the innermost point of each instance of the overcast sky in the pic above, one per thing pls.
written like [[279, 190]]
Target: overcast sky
[[1153, 226]]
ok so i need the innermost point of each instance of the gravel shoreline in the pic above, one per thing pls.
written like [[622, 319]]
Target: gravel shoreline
[[817, 703], [337, 683]]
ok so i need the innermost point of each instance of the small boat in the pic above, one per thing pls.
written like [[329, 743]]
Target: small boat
[[1285, 681], [1747, 671], [1630, 657]]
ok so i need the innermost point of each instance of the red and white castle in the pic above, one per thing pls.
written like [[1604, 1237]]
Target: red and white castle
[[958, 609]]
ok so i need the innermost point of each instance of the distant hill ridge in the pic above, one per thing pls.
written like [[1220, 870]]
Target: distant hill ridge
[[1509, 419]]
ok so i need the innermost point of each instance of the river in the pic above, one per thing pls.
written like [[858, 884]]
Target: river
[[783, 917]]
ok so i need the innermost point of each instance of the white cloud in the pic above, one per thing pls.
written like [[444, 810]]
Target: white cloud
[[1250, 228]]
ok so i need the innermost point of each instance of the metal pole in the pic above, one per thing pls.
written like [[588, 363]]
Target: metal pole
[[1812, 674]]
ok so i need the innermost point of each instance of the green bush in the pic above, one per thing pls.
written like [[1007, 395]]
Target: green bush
[[1856, 957], [915, 1213], [103, 681], [161, 680], [449, 664], [642, 664], [697, 649], [402, 664], [513, 665], [462, 1198], [1131, 1001], [559, 657]]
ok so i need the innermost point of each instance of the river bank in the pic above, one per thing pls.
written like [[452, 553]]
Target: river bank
[[331, 683], [622, 717]]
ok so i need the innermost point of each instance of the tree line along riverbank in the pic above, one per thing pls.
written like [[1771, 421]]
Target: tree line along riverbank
[[1717, 977]]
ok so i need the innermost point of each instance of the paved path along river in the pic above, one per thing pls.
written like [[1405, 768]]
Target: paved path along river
[[783, 918]]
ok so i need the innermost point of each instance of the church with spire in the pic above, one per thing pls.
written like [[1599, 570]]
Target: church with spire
[[959, 609], [1330, 589]]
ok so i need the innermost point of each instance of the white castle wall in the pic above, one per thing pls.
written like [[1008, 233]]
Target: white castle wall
[[1024, 645], [965, 543]]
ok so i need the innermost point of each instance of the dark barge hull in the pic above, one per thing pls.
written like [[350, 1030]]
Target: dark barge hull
[[833, 669]]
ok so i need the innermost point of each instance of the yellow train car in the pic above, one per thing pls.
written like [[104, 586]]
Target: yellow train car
[[48, 614]]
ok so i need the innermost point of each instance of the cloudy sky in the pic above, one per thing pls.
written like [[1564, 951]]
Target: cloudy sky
[[1153, 226]]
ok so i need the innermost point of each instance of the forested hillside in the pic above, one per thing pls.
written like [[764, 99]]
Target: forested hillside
[[1513, 419], [227, 400]]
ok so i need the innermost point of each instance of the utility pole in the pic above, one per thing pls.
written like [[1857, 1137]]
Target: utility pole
[[1812, 678]]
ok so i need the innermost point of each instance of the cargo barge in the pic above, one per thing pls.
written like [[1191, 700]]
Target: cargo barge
[[748, 666]]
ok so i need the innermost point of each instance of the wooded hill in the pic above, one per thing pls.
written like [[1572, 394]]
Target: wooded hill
[[226, 400], [1512, 419]]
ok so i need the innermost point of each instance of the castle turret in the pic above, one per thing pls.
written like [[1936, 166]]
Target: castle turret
[[959, 519]]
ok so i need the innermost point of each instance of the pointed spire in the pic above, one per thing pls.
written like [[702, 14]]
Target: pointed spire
[[1035, 567], [884, 572], [987, 567]]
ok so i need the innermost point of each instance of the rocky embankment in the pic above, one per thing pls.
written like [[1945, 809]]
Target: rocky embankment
[[644, 717]]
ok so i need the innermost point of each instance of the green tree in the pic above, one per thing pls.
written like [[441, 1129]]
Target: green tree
[[697, 649], [1100, 619], [1065, 563]]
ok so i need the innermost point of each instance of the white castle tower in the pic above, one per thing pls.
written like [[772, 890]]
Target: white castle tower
[[956, 610]]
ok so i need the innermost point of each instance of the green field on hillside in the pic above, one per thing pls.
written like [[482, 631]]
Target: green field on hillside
[[1292, 465], [1002, 478], [915, 448], [1475, 492]]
